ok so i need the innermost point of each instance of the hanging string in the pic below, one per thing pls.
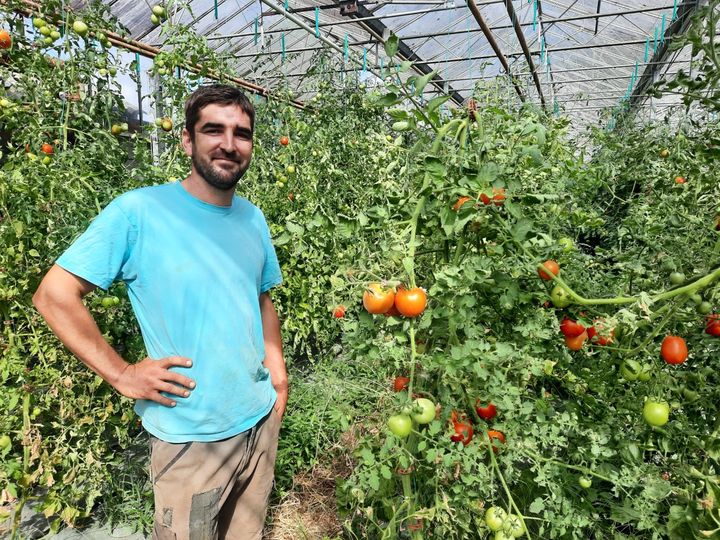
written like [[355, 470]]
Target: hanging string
[[256, 32], [674, 13], [662, 30], [317, 22], [282, 46], [346, 48], [364, 68], [216, 10]]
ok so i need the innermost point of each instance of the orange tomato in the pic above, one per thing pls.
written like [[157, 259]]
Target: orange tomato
[[410, 302], [284, 140], [5, 39], [47, 149], [550, 266], [378, 299], [679, 180], [460, 202], [576, 343], [493, 434]]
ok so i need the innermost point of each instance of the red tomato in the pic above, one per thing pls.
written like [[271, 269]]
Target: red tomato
[[492, 434], [576, 343], [411, 302], [401, 383], [488, 412], [674, 350], [599, 332], [458, 205], [497, 199], [284, 140], [679, 180], [378, 299], [291, 196], [712, 324], [571, 328], [463, 429], [5, 39], [339, 312], [550, 266], [47, 149]]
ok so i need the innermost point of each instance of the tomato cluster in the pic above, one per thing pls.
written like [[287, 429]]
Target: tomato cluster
[[378, 299]]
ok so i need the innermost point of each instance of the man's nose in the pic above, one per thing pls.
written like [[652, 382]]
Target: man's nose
[[227, 142]]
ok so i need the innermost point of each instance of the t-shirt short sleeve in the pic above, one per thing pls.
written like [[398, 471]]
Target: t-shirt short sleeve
[[271, 274], [102, 253]]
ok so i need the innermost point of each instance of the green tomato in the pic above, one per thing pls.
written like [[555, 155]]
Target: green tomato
[[645, 373], [514, 526], [502, 535], [427, 411], [656, 413], [630, 370], [584, 482], [159, 11], [5, 442], [704, 308], [109, 301], [676, 278], [38, 22], [400, 425], [566, 244], [45, 31], [290, 169], [495, 518], [696, 298], [560, 297], [80, 28]]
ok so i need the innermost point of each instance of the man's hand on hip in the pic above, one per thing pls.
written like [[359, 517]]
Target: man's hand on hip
[[147, 378]]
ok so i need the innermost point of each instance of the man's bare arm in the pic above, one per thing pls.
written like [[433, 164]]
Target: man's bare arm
[[59, 301], [274, 360]]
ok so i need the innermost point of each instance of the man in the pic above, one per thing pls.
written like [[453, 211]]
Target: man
[[198, 263]]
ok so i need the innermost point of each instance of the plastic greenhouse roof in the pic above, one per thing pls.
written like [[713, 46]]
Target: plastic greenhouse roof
[[587, 55]]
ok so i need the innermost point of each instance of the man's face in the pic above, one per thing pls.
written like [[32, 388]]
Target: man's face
[[222, 147]]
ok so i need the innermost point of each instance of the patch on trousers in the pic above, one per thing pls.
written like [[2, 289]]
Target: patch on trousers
[[167, 517], [203, 514]]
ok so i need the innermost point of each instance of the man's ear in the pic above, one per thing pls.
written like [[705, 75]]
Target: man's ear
[[186, 142]]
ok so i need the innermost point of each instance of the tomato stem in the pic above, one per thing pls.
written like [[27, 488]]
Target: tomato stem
[[511, 501]]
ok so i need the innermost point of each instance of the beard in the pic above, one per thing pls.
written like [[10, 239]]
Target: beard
[[218, 177]]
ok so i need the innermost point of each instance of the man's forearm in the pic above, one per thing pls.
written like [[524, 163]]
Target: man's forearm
[[274, 360]]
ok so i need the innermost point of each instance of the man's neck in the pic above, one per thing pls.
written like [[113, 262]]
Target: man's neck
[[199, 188]]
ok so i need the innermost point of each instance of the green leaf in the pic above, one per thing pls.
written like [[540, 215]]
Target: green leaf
[[388, 100], [397, 114], [405, 66], [434, 167], [537, 506], [421, 82], [391, 45], [434, 103]]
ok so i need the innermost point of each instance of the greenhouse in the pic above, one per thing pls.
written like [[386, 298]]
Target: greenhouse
[[360, 269]]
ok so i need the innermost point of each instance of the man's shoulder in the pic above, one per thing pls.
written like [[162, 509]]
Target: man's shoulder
[[140, 197]]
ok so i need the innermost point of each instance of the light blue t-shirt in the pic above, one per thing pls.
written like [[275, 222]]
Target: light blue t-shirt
[[194, 273]]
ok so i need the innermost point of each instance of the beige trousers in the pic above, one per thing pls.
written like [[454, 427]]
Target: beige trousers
[[214, 490]]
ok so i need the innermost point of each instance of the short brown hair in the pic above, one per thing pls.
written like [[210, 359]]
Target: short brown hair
[[220, 94]]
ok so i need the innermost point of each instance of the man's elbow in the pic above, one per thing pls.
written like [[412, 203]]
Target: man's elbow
[[41, 297]]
